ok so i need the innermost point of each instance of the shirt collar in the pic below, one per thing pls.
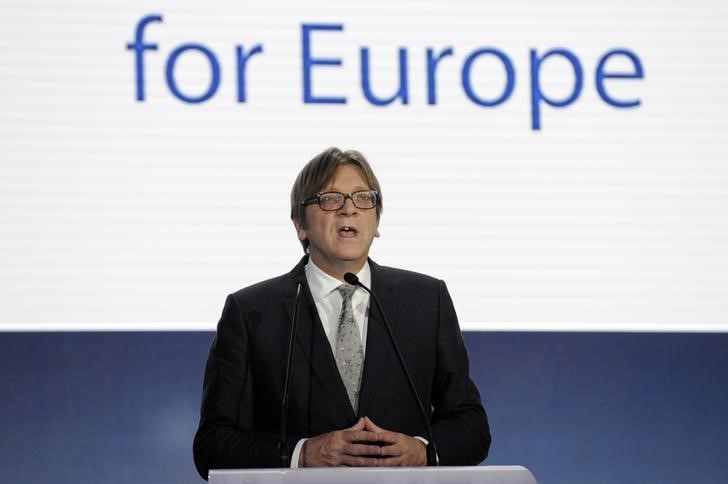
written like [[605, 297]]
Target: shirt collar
[[322, 284]]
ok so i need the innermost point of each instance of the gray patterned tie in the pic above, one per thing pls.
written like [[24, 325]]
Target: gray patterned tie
[[349, 353]]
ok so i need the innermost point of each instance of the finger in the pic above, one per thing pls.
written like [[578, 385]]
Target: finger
[[370, 425], [362, 449], [359, 436], [358, 461], [408, 452], [384, 436], [389, 438], [390, 461], [390, 451], [359, 425]]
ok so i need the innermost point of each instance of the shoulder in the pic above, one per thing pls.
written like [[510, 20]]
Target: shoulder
[[404, 278], [264, 289], [273, 288], [406, 275]]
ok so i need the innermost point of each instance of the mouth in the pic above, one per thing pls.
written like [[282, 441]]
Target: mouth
[[347, 231]]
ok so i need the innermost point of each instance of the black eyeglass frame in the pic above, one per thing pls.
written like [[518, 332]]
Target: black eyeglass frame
[[317, 199]]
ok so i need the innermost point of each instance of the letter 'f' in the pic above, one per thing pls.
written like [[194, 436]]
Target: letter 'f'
[[138, 46]]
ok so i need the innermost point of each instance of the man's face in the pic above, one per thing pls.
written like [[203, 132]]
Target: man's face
[[340, 240]]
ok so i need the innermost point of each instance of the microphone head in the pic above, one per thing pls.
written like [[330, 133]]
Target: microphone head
[[351, 279]]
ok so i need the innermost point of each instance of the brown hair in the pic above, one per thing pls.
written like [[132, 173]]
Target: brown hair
[[318, 173]]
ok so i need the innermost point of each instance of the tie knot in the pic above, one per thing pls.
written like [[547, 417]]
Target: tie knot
[[346, 291]]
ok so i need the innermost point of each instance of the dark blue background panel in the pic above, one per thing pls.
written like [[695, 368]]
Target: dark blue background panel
[[572, 407]]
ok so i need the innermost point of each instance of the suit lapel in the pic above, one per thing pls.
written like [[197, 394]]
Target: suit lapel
[[312, 343], [380, 357]]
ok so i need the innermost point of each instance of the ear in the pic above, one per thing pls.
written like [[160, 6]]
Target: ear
[[300, 231], [376, 233]]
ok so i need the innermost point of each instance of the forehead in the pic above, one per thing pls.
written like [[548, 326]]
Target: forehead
[[347, 178]]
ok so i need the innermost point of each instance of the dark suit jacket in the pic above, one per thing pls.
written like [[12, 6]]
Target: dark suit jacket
[[241, 403]]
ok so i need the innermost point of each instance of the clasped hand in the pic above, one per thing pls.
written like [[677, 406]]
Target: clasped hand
[[364, 445]]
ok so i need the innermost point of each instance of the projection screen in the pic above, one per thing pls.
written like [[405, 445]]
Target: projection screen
[[561, 165]]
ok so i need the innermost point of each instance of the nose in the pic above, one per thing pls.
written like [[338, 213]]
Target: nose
[[348, 206]]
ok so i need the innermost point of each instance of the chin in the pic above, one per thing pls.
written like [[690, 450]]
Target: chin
[[352, 258]]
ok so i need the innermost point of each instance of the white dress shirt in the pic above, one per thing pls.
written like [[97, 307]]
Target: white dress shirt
[[328, 301]]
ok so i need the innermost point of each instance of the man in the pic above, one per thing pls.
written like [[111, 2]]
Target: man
[[349, 403]]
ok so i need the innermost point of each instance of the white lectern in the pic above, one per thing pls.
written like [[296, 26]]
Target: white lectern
[[377, 475]]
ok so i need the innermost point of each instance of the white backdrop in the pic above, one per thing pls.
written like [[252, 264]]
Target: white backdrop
[[120, 214]]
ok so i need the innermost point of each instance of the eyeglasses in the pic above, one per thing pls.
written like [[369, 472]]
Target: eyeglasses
[[332, 201]]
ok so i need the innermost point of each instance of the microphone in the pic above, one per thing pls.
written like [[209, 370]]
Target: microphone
[[432, 458], [284, 452]]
